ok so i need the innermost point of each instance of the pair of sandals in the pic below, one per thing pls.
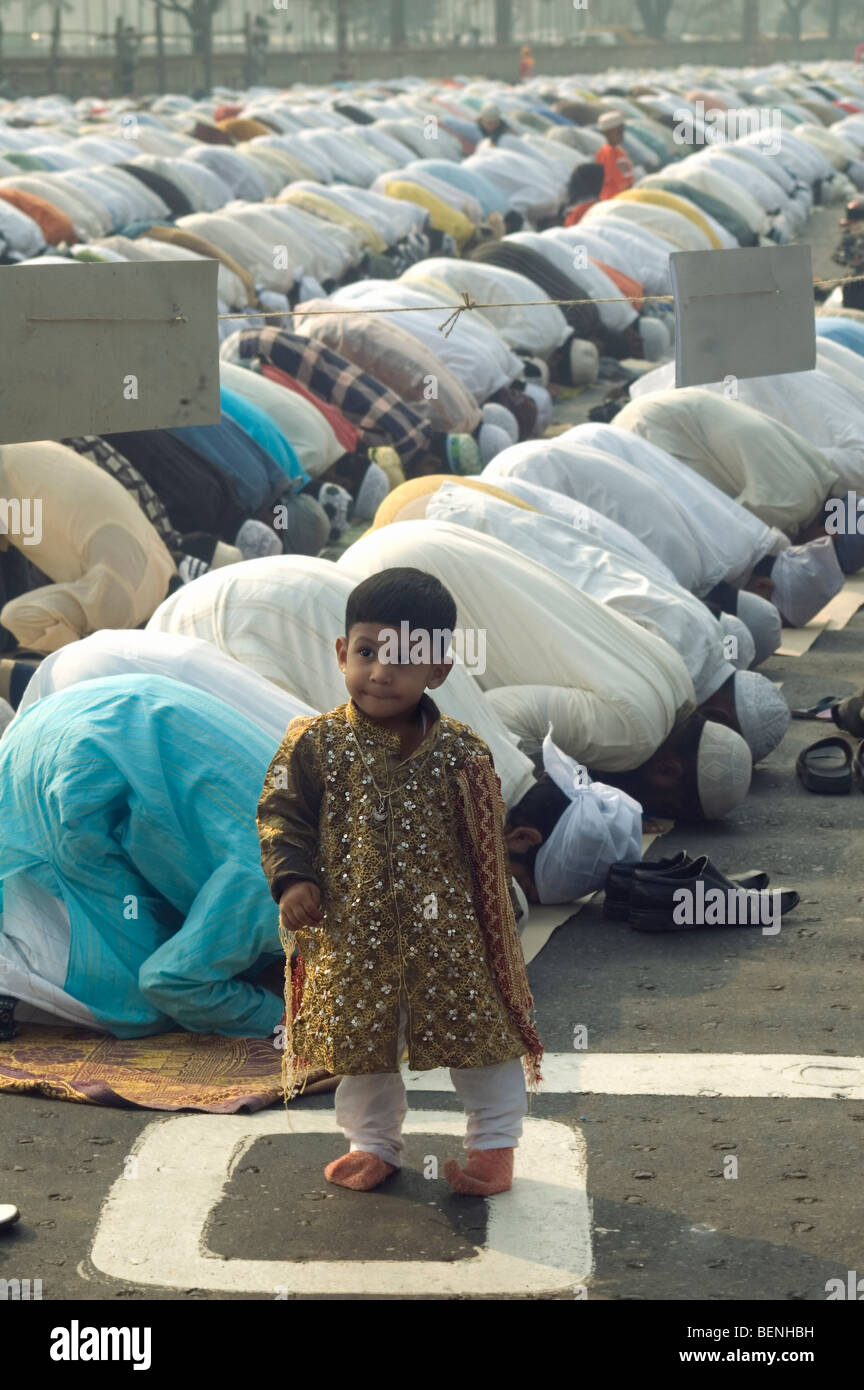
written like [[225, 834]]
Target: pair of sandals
[[827, 768]]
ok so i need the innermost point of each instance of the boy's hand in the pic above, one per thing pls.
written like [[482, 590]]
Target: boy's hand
[[300, 904]]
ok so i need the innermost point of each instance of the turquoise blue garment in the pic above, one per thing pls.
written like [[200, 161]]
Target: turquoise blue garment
[[257, 422], [849, 333], [133, 799]]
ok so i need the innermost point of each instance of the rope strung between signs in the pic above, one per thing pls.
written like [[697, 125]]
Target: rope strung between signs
[[457, 310], [469, 303]]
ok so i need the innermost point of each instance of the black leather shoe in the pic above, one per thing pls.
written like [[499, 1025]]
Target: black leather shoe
[[619, 881], [654, 906]]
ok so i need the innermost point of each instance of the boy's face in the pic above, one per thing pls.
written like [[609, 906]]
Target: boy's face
[[380, 675]]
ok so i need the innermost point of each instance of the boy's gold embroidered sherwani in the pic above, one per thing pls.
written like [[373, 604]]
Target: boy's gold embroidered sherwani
[[410, 859]]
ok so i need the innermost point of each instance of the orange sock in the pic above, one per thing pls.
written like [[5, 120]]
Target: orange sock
[[358, 1170], [487, 1171]]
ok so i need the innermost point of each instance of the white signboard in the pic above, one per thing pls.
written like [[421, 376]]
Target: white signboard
[[97, 349], [743, 313]]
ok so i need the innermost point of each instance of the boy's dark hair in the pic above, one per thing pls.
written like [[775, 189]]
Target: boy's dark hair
[[585, 182], [402, 595]]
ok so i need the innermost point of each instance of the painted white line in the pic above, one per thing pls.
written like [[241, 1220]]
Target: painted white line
[[779, 1075], [152, 1228]]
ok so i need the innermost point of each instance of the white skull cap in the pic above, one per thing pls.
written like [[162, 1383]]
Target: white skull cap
[[724, 767]]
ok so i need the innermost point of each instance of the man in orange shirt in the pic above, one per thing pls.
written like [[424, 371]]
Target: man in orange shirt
[[614, 158]]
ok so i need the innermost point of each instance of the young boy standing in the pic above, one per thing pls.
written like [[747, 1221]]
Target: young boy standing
[[381, 828]]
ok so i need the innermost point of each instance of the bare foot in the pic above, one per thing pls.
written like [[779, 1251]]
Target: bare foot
[[487, 1171], [358, 1170]]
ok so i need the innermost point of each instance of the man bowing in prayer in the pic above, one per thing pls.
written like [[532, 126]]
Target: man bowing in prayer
[[619, 698]]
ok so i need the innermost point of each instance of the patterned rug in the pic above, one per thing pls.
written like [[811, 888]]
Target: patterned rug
[[172, 1071]]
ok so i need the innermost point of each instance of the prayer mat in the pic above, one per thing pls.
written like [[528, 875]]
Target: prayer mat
[[795, 641], [170, 1071]]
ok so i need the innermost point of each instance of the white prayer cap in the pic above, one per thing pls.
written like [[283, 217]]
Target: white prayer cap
[[763, 714], [492, 440], [254, 539], [724, 767], [373, 489], [745, 648], [503, 419], [805, 578], [490, 111], [584, 362], [655, 338], [602, 826], [763, 620], [612, 120], [543, 401]]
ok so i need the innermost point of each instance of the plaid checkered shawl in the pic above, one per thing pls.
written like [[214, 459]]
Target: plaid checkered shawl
[[371, 407]]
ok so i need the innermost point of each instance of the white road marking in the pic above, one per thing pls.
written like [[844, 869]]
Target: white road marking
[[783, 1076], [152, 1228]]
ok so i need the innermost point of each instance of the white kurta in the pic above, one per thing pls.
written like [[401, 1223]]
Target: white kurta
[[390, 217], [529, 187], [590, 523], [251, 251], [763, 190], [187, 659], [476, 354], [281, 616], [821, 408], [708, 179], [842, 364], [537, 331], [612, 691], [729, 535], [607, 575], [767, 467], [682, 234], [633, 250], [617, 490]]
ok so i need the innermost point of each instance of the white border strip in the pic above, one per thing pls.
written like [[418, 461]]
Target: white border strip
[[152, 1227], [784, 1076]]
